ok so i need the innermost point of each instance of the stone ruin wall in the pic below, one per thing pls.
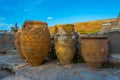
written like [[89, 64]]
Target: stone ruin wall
[[6, 42], [114, 42]]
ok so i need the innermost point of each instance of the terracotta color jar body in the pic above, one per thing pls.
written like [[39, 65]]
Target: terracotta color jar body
[[17, 43], [65, 43], [35, 41], [94, 50]]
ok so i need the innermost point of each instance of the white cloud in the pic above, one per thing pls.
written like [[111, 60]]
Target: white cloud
[[5, 25], [49, 18]]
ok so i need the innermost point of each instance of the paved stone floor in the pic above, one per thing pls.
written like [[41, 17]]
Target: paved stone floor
[[4, 73], [11, 62], [50, 70]]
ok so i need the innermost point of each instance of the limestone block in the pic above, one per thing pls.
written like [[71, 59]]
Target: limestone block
[[12, 62], [12, 52]]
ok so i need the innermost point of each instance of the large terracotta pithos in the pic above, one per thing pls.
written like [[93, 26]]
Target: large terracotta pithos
[[17, 43], [94, 50], [64, 43], [35, 41]]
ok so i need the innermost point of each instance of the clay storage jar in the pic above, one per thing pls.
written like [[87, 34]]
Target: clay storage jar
[[94, 50], [17, 43], [35, 41], [64, 43]]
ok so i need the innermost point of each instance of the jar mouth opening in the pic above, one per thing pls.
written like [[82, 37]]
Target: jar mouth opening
[[35, 22], [94, 37], [36, 33], [63, 25]]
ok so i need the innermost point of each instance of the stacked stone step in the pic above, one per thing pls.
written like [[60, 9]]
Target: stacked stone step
[[114, 46]]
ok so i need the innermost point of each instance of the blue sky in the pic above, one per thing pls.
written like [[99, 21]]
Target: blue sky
[[56, 11]]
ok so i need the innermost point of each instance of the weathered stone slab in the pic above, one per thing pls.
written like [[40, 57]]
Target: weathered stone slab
[[11, 62], [114, 58], [50, 70], [12, 52], [4, 73], [15, 78]]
